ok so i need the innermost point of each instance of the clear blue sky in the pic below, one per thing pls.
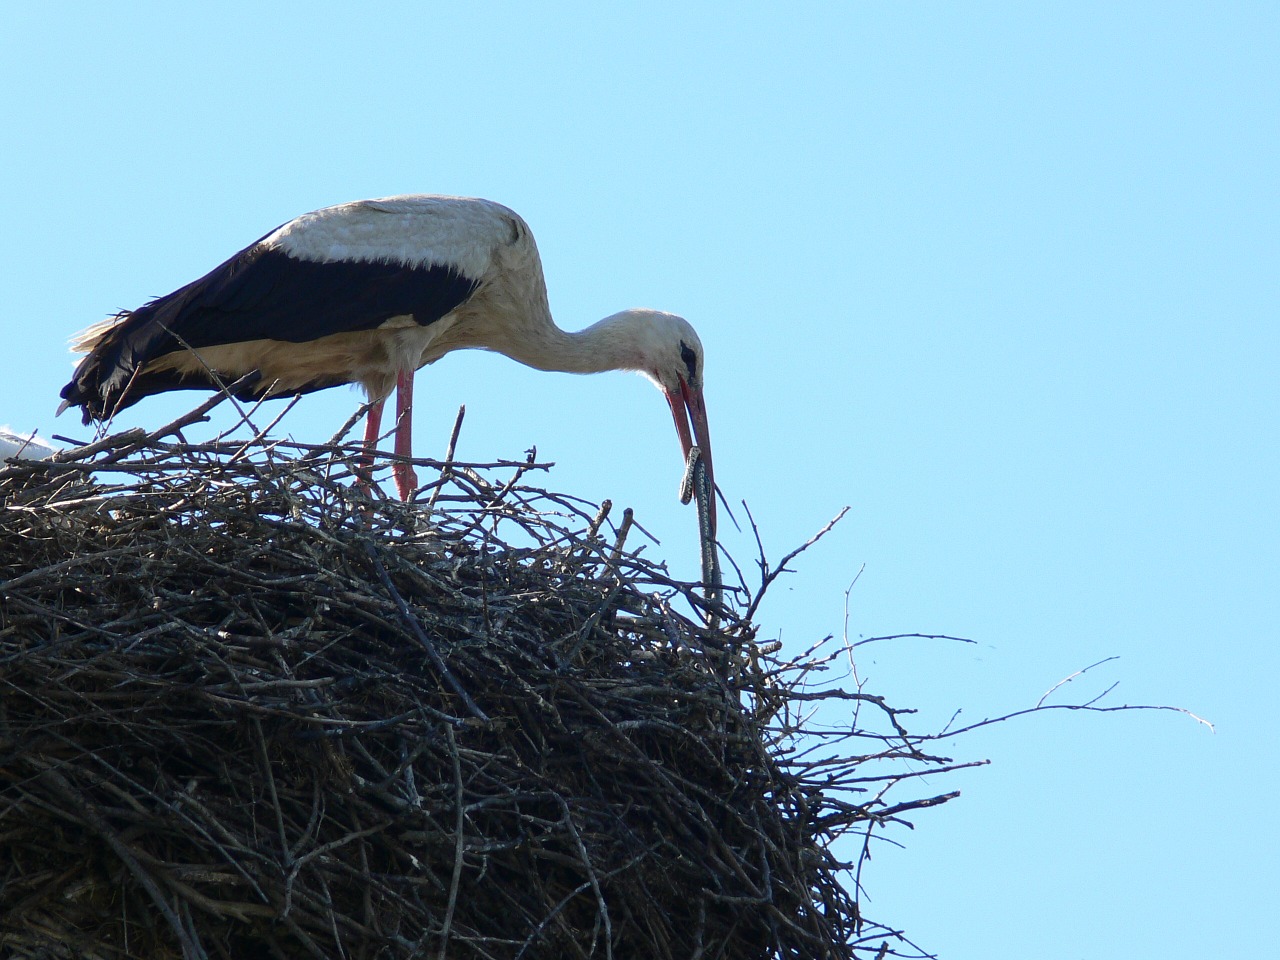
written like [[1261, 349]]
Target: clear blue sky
[[1000, 276]]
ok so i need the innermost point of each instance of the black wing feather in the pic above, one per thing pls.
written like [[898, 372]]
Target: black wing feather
[[259, 294]]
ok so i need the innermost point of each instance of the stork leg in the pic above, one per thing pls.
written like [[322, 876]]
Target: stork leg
[[406, 479], [372, 426]]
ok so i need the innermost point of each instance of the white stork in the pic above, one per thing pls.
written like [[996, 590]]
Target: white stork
[[368, 292]]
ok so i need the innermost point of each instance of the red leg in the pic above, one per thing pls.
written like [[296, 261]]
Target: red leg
[[406, 479], [373, 421]]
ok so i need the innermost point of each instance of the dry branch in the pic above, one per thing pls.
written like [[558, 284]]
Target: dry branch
[[247, 711]]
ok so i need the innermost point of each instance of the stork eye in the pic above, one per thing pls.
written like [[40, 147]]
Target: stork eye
[[690, 360]]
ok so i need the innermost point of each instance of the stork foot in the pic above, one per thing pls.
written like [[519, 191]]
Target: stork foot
[[406, 480]]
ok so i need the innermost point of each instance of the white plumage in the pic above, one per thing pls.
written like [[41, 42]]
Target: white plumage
[[412, 230], [368, 292]]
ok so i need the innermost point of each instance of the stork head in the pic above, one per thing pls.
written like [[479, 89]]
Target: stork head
[[670, 354]]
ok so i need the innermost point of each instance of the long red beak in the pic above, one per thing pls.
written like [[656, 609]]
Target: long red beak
[[687, 407]]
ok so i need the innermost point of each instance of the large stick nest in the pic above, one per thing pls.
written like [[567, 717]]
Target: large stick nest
[[247, 711]]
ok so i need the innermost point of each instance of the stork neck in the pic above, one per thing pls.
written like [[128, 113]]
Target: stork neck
[[608, 344]]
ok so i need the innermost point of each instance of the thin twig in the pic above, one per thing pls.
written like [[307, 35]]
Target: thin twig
[[447, 470]]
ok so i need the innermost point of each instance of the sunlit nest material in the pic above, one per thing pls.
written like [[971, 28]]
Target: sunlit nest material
[[246, 711]]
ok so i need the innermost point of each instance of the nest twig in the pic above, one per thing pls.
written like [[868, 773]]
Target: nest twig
[[245, 710]]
